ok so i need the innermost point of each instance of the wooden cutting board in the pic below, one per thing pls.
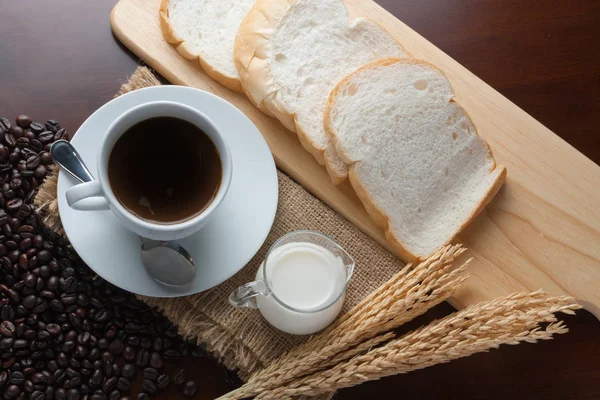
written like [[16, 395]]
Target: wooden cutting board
[[541, 231]]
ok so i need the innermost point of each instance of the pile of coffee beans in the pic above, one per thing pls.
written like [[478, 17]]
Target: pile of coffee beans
[[65, 333]]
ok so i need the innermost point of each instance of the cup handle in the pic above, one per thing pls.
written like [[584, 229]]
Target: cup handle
[[245, 296], [90, 191]]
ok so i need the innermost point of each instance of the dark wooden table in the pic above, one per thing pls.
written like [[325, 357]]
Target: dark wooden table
[[58, 59]]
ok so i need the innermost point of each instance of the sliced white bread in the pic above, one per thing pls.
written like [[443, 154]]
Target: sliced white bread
[[415, 159], [204, 30], [291, 53]]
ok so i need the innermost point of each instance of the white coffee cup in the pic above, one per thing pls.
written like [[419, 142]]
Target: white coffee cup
[[98, 195]]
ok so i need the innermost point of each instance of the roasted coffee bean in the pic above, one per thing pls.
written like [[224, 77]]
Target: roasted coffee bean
[[179, 377], [36, 127], [52, 283], [56, 305], [94, 354], [41, 172], [114, 395], [145, 343], [96, 379], [38, 241], [8, 362], [103, 344], [157, 344], [150, 374], [30, 280], [44, 256], [66, 298], [162, 381], [36, 144], [5, 124], [116, 370], [3, 378], [129, 353], [143, 396], [23, 121], [148, 386], [60, 134], [172, 354], [61, 394], [73, 394], [17, 378], [46, 294], [37, 395], [129, 370], [10, 140], [28, 334], [142, 358], [12, 392], [22, 142], [190, 389], [7, 328], [52, 125], [13, 205], [45, 158], [39, 378], [107, 368], [7, 313], [123, 384], [46, 137], [116, 347], [98, 396], [156, 360], [109, 384], [43, 336], [63, 360], [80, 351], [68, 347], [73, 382], [30, 301], [6, 343], [83, 338], [133, 341], [108, 357]]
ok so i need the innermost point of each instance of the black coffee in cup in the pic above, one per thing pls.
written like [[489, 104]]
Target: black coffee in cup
[[165, 170]]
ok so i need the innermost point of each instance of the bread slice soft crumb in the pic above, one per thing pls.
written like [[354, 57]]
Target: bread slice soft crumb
[[291, 53], [204, 30], [415, 159]]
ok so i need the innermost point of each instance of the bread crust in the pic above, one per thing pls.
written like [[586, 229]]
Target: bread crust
[[179, 43], [251, 60], [378, 216]]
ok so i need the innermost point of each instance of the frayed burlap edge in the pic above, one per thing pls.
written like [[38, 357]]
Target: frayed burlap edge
[[46, 202]]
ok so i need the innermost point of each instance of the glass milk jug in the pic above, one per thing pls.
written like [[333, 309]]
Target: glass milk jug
[[300, 286]]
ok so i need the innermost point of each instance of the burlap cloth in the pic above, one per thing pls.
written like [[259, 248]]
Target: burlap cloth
[[240, 338]]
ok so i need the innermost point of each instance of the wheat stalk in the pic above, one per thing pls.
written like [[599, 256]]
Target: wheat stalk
[[481, 327], [408, 294]]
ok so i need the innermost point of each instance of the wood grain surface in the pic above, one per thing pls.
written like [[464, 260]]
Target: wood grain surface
[[59, 60], [546, 216]]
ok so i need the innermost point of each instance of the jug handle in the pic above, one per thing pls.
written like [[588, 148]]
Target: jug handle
[[245, 295]]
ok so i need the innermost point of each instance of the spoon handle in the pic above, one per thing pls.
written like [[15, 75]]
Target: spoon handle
[[65, 155]]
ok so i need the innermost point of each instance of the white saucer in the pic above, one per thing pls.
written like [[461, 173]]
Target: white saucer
[[223, 247]]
